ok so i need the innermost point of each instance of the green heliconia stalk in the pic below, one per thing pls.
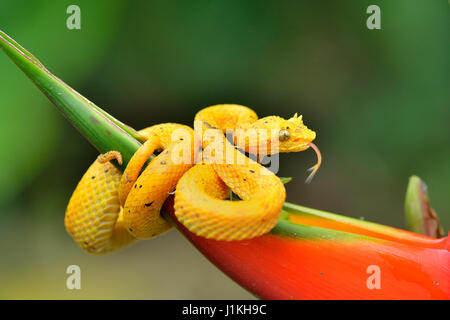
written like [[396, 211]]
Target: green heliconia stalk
[[103, 131], [420, 216]]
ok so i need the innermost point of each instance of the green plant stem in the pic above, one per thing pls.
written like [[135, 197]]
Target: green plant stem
[[101, 129]]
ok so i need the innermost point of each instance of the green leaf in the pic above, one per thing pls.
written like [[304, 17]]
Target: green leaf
[[419, 215]]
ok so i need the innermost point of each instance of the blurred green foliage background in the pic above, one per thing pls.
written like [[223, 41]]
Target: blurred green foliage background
[[378, 99]]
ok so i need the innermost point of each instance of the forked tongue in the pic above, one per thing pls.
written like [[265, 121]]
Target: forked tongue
[[316, 167]]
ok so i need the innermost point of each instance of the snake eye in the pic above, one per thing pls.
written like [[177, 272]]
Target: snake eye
[[284, 135]]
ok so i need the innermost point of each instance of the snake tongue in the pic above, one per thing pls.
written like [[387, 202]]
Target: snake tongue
[[316, 167]]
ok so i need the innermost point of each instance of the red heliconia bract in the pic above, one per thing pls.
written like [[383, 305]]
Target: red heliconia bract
[[311, 257]]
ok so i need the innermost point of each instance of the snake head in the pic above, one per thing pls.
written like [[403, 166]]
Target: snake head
[[291, 135], [294, 135]]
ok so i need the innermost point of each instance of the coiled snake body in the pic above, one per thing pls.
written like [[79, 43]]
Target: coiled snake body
[[110, 210]]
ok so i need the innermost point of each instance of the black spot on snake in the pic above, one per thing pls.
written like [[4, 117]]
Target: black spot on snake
[[251, 171], [148, 204]]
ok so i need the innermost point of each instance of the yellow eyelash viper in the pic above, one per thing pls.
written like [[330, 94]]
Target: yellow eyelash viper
[[110, 210]]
